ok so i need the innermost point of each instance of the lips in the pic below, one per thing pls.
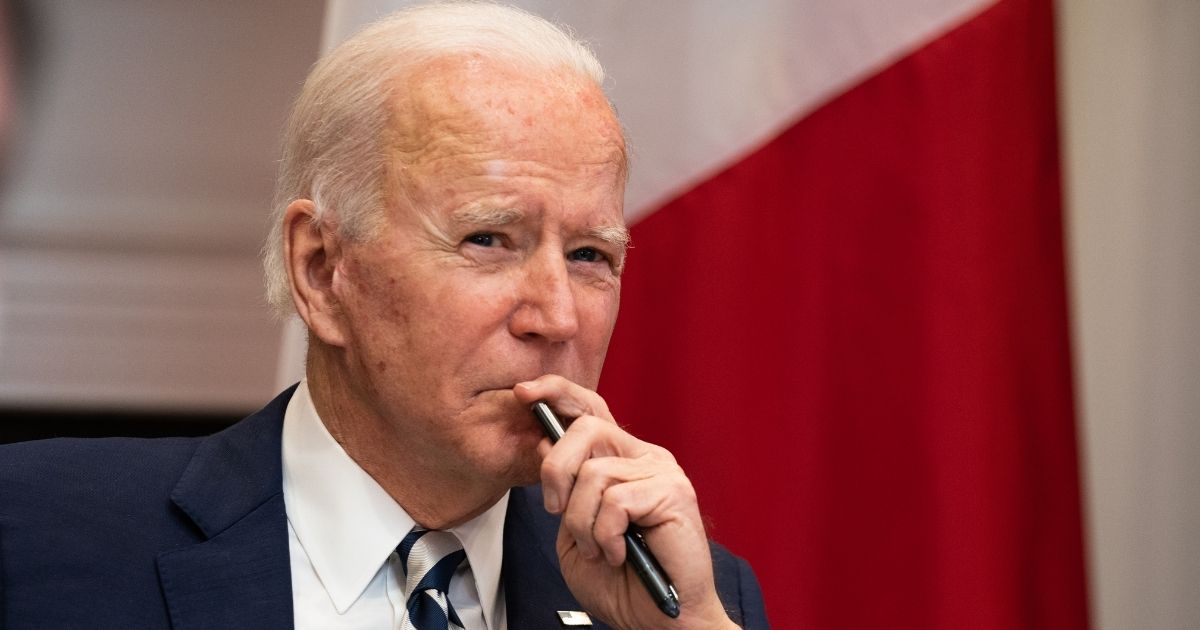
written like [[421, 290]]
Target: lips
[[504, 385], [493, 389]]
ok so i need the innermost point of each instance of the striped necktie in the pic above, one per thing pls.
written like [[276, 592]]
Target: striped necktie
[[429, 559]]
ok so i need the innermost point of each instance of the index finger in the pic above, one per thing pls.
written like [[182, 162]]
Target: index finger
[[565, 396]]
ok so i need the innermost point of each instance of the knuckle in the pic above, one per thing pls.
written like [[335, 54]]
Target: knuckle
[[578, 524], [597, 405], [661, 455], [609, 532], [552, 472], [676, 483], [618, 496], [589, 426], [609, 524], [549, 468], [684, 489], [591, 471]]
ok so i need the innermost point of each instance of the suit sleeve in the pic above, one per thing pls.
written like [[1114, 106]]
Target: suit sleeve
[[738, 589], [754, 612]]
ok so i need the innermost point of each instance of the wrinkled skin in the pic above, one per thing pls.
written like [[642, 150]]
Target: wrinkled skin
[[498, 264]]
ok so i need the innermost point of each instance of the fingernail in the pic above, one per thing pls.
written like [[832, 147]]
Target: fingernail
[[524, 385], [551, 498]]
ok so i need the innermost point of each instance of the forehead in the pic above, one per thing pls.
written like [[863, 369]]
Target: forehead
[[487, 108]]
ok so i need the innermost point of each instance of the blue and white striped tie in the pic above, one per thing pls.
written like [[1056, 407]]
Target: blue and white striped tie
[[429, 559]]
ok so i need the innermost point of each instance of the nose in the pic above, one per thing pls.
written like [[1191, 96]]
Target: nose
[[547, 308]]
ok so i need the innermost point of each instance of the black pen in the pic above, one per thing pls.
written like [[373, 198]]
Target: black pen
[[637, 552]]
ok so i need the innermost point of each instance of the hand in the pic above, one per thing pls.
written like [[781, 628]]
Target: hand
[[601, 479]]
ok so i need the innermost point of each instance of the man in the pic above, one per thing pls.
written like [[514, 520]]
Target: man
[[449, 228]]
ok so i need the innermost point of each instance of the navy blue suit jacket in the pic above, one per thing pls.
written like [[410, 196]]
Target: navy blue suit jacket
[[190, 533]]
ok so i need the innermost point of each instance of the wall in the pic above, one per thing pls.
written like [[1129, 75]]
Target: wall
[[135, 199], [1131, 111]]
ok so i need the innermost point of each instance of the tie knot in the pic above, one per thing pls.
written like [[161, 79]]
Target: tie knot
[[429, 558]]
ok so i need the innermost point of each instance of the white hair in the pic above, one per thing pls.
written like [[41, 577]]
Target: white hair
[[334, 152]]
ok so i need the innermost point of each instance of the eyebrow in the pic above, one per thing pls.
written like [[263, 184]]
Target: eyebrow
[[615, 235], [488, 216]]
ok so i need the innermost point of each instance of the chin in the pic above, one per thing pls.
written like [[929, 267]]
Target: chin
[[507, 455], [527, 475], [525, 469]]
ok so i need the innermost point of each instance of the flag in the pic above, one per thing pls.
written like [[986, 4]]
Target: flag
[[851, 329]]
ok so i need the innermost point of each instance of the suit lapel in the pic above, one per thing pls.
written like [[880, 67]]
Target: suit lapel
[[534, 590], [239, 576]]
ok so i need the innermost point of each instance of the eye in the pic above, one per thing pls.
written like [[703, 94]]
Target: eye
[[587, 254], [482, 239]]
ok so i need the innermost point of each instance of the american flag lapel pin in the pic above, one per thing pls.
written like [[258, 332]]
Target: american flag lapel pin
[[574, 618]]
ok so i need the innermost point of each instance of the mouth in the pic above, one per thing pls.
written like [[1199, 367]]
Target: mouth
[[505, 386], [494, 390], [507, 402]]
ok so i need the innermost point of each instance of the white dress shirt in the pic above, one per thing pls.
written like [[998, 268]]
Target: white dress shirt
[[343, 529]]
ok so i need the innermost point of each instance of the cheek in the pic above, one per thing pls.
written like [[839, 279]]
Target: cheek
[[376, 296], [598, 315], [469, 300], [376, 303]]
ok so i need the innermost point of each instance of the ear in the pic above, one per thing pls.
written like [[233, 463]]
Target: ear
[[311, 252]]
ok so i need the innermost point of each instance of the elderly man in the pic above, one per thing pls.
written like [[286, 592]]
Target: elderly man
[[449, 228]]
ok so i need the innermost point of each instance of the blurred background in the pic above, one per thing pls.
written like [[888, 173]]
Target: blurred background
[[139, 141]]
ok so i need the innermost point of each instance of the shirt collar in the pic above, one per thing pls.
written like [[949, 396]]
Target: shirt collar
[[483, 539], [349, 525]]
